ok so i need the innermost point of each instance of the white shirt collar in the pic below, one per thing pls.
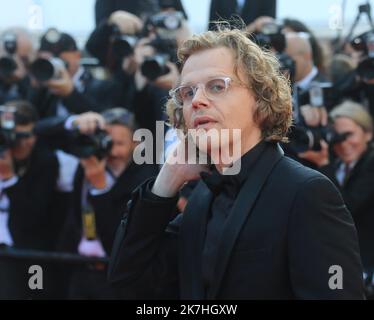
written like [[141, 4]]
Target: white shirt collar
[[77, 76], [304, 83]]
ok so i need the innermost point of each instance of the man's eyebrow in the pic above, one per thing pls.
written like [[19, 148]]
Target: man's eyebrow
[[189, 83], [181, 83]]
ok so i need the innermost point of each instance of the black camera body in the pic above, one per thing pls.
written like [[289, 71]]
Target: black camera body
[[8, 64], [156, 66], [121, 45], [287, 65], [8, 135], [271, 37], [303, 138], [98, 144], [43, 69], [365, 43]]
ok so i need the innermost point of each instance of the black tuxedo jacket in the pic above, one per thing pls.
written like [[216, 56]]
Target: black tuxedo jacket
[[358, 194], [224, 9], [34, 222], [288, 226]]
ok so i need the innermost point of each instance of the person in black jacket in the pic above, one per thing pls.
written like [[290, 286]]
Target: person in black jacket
[[29, 220], [15, 84], [102, 188], [143, 96], [75, 90], [306, 114], [260, 226], [353, 171]]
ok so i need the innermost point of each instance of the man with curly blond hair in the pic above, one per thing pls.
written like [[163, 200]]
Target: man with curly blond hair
[[273, 230]]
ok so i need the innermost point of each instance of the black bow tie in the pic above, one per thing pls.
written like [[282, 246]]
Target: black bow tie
[[216, 181]]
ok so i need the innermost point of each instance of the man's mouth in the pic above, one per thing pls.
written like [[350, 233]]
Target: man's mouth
[[203, 122]]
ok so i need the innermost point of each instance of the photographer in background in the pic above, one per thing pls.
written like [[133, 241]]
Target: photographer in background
[[141, 58], [311, 100], [353, 171], [29, 216], [359, 83], [293, 25], [103, 183], [61, 85], [16, 51]]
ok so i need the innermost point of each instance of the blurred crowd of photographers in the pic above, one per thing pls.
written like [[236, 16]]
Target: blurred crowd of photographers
[[66, 125]]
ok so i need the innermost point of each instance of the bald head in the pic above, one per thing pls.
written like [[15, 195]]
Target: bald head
[[299, 49], [298, 43]]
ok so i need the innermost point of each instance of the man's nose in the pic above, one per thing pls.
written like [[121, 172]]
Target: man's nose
[[114, 151], [200, 99]]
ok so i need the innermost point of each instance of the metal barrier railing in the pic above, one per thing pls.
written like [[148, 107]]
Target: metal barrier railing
[[47, 256]]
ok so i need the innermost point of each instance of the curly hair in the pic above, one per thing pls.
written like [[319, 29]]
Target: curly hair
[[271, 88]]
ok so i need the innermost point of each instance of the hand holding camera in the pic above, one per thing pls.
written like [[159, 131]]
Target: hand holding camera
[[259, 23], [319, 158], [169, 80], [155, 68], [63, 86], [89, 122], [126, 22], [89, 137]]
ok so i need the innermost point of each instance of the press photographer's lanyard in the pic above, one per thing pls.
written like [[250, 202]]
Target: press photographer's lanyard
[[88, 215]]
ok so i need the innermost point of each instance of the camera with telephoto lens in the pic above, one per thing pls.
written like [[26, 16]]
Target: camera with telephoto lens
[[308, 138], [43, 69], [270, 37], [98, 144], [167, 20], [304, 137], [8, 64], [156, 66], [365, 43], [7, 128], [122, 45], [9, 138], [287, 65]]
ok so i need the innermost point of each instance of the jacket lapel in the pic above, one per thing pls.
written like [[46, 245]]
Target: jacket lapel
[[241, 211], [191, 241]]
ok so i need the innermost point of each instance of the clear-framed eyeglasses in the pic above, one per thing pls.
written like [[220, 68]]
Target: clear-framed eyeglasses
[[213, 89]]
